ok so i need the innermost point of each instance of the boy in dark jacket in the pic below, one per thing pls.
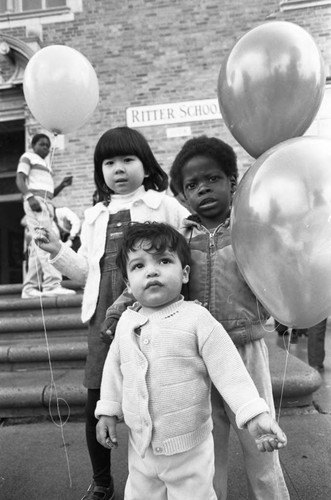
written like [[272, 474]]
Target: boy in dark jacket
[[205, 171]]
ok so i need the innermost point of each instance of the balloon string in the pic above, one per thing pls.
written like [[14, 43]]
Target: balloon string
[[53, 151], [284, 377], [286, 361], [53, 388], [287, 349], [51, 161]]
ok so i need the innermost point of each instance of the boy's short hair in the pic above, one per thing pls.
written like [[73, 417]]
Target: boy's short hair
[[37, 138], [160, 237], [211, 147]]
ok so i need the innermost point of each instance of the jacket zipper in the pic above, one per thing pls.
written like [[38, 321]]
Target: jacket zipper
[[212, 239]]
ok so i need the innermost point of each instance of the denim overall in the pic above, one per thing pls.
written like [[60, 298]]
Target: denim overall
[[111, 286]]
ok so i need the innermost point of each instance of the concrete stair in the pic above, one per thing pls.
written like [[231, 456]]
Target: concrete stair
[[43, 346]]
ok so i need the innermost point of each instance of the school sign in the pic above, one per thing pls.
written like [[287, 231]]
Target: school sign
[[178, 112]]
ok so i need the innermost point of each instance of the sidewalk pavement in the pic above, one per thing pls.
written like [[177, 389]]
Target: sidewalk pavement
[[41, 461], [44, 461]]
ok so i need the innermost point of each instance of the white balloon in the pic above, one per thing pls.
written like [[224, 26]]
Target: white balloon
[[61, 88]]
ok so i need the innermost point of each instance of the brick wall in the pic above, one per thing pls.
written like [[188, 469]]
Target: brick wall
[[148, 52]]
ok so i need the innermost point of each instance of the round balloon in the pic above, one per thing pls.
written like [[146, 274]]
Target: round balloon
[[281, 230], [61, 88], [271, 85]]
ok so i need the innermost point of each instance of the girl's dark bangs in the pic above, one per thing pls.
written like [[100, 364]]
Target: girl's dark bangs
[[118, 146]]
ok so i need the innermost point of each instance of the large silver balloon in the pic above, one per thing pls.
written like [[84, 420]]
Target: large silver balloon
[[281, 230], [271, 85]]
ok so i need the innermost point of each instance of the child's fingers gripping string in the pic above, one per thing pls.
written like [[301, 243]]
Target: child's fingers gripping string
[[269, 442], [41, 235]]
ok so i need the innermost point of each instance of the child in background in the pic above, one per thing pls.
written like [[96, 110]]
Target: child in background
[[133, 184], [158, 370], [34, 180], [205, 171]]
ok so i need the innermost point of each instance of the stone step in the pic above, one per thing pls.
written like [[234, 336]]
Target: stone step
[[43, 350], [10, 290], [12, 306], [41, 322], [42, 393], [43, 347], [34, 332], [35, 354], [14, 290], [27, 393], [10, 337]]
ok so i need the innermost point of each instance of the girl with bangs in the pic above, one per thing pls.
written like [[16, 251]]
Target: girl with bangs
[[132, 187]]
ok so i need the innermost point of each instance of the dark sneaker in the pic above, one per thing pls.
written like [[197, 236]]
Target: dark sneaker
[[95, 492]]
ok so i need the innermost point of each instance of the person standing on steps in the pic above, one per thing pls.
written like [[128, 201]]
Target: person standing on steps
[[34, 179]]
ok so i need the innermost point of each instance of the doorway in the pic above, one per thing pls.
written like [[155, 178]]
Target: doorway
[[12, 146]]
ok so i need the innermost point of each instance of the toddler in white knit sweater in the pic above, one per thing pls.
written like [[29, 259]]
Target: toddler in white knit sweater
[[158, 373]]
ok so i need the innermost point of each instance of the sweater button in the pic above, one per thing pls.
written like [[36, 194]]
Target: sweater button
[[158, 449], [146, 341]]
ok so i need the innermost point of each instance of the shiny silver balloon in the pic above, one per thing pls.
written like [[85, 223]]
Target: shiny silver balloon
[[271, 85], [281, 230]]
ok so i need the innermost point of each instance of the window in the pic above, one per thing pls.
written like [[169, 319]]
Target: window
[[18, 6], [28, 13]]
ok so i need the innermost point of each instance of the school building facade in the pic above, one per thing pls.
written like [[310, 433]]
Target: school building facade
[[157, 63]]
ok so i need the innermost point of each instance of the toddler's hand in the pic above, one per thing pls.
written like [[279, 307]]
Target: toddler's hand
[[267, 442], [108, 328], [106, 432], [267, 433]]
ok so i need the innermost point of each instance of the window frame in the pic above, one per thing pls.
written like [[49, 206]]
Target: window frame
[[14, 9], [287, 5]]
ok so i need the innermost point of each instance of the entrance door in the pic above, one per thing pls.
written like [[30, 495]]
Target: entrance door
[[12, 146]]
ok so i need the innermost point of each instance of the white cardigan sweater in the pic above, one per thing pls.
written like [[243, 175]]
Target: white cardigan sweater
[[84, 266], [160, 381]]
